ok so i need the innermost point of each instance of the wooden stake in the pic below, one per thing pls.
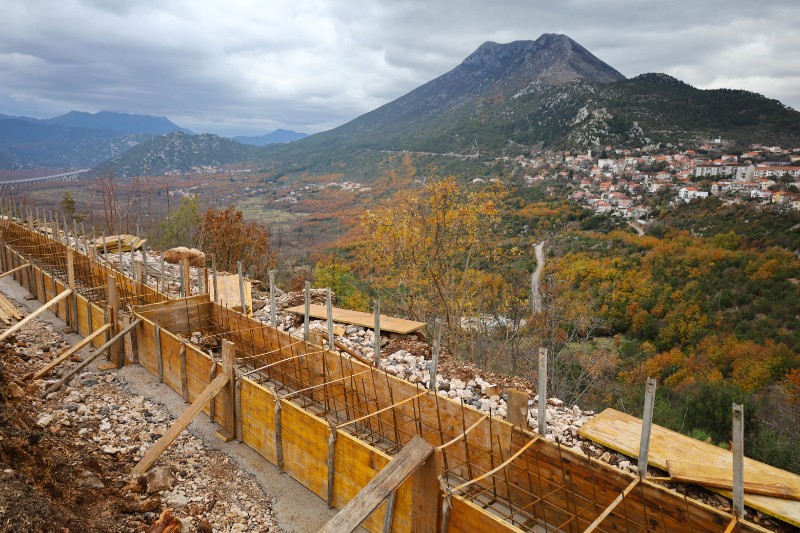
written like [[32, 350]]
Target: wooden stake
[[91, 358], [647, 425], [72, 311], [542, 422], [68, 353], [425, 494], [159, 354], [180, 424], [307, 310], [186, 274], [228, 393], [738, 461], [113, 307], [278, 432], [184, 381], [331, 464], [388, 516]]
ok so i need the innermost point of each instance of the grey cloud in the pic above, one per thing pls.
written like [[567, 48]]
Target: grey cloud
[[244, 66]]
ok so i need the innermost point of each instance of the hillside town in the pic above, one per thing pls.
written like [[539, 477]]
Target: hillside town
[[623, 182]]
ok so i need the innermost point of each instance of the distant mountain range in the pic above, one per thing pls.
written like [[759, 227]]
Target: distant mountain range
[[177, 151], [78, 139], [277, 136], [502, 100]]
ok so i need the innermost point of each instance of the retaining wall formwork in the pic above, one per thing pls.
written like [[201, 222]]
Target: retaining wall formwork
[[332, 422]]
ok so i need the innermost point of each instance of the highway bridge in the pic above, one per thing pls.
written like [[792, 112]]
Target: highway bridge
[[66, 176]]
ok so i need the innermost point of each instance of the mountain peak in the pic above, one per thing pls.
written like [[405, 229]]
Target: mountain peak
[[552, 58]]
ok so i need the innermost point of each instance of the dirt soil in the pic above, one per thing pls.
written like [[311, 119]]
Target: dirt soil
[[49, 482]]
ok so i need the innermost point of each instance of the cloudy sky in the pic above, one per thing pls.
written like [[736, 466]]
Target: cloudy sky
[[248, 67]]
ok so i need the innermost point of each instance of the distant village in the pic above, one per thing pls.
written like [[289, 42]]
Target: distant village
[[622, 181]]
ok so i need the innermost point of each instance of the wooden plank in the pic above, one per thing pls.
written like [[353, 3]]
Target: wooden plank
[[91, 358], [13, 329], [74, 349], [14, 270], [714, 476], [180, 424], [621, 432], [403, 465], [9, 311], [426, 494], [357, 318]]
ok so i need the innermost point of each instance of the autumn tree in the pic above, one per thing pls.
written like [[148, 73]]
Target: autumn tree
[[225, 234], [433, 247]]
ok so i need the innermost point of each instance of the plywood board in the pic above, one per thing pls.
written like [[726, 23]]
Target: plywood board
[[230, 293], [8, 312], [357, 318], [722, 478], [621, 432]]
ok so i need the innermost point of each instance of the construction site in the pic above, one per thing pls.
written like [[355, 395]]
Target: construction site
[[387, 454]]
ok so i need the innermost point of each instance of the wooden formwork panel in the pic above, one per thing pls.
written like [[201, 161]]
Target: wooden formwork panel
[[355, 464], [466, 517], [305, 447], [258, 419], [198, 365]]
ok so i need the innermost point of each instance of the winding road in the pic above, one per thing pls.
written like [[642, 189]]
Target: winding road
[[536, 295]]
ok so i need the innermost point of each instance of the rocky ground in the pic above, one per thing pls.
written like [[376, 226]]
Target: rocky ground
[[65, 460]]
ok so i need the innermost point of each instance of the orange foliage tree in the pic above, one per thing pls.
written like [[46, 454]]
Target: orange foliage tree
[[226, 235], [433, 249]]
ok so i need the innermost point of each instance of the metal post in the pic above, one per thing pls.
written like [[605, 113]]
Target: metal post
[[307, 311], [542, 392], [329, 306], [214, 269], [647, 423], [738, 461], [161, 286], [119, 252], [377, 357], [437, 340], [272, 299], [241, 287]]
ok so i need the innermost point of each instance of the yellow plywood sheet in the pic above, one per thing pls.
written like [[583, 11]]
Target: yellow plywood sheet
[[357, 318], [622, 432], [715, 476], [229, 292]]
